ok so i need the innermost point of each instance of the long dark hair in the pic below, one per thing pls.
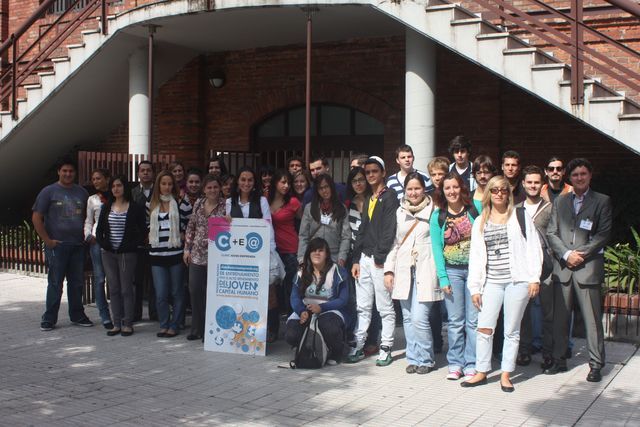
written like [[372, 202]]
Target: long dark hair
[[352, 174], [338, 210], [254, 196], [126, 188], [465, 196], [275, 179], [306, 276], [223, 168]]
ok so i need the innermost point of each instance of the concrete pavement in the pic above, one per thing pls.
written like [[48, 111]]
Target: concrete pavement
[[74, 376]]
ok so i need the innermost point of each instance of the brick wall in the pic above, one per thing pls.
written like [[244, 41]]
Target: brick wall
[[192, 117]]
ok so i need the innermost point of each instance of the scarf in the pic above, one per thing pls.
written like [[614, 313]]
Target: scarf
[[174, 223], [417, 208], [414, 210]]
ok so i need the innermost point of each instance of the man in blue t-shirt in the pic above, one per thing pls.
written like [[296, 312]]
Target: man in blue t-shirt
[[58, 218]]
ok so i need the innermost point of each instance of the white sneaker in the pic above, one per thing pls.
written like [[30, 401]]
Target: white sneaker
[[331, 362], [384, 357]]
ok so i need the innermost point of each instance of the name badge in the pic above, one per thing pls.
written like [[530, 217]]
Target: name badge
[[325, 219], [586, 224]]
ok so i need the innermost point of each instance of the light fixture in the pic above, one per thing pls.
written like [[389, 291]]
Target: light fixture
[[217, 79]]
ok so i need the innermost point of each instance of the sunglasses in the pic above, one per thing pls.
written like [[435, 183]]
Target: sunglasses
[[499, 190], [555, 168]]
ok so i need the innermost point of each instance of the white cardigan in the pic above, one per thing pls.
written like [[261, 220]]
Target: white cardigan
[[400, 258], [525, 255], [94, 206]]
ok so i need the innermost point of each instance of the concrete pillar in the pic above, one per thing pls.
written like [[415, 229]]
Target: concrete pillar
[[138, 103], [420, 100]]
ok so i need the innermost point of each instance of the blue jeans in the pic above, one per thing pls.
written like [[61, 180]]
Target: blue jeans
[[167, 280], [463, 321], [417, 330], [65, 261], [98, 283]]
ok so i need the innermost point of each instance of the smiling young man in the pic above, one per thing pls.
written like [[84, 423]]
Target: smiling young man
[[404, 159], [539, 312], [374, 240], [579, 230], [58, 218]]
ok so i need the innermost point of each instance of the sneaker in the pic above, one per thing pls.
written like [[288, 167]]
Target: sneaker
[[454, 375], [384, 357], [46, 326], [355, 356], [83, 322], [411, 369], [332, 362], [108, 325], [421, 370]]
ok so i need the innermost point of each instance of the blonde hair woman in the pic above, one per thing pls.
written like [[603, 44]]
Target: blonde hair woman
[[167, 223], [504, 271]]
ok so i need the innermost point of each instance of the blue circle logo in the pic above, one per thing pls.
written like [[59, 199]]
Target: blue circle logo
[[223, 241], [254, 242]]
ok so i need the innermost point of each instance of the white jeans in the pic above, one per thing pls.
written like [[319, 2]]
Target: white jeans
[[515, 297], [370, 286]]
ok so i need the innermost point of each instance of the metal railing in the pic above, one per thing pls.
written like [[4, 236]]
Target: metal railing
[[118, 164], [573, 43], [25, 62]]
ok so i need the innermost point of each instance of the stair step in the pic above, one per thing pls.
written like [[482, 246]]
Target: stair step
[[75, 46], [46, 73], [61, 59], [554, 66], [472, 21], [459, 12], [603, 99], [87, 32], [33, 86]]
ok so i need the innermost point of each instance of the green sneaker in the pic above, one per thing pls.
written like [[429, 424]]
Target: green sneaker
[[355, 356], [384, 357]]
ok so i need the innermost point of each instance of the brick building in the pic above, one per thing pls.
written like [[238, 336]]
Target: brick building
[[365, 59]]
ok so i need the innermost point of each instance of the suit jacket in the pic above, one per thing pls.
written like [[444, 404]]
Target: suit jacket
[[568, 232], [138, 196]]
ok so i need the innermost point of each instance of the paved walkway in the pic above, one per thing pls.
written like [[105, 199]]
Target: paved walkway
[[77, 376]]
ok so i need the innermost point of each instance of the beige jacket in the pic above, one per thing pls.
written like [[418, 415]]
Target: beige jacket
[[418, 245]]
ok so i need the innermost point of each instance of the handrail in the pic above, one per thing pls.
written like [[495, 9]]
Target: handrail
[[18, 76], [572, 43], [626, 5]]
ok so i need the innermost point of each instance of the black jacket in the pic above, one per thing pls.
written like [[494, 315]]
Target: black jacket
[[376, 236], [135, 229]]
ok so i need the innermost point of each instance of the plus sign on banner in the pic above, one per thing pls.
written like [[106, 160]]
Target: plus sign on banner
[[237, 286]]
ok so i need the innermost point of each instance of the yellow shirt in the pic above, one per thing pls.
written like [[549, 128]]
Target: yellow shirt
[[372, 206]]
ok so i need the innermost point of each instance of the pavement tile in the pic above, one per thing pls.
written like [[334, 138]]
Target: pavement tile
[[78, 377]]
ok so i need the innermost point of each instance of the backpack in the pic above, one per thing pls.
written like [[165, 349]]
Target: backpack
[[442, 214], [547, 253], [312, 351]]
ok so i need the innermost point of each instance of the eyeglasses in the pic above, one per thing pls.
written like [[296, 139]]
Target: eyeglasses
[[358, 181], [499, 190], [555, 168]]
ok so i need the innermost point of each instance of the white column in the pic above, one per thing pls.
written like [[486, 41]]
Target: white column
[[420, 100], [138, 103]]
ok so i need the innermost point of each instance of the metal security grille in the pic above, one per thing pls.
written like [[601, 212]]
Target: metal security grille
[[62, 5]]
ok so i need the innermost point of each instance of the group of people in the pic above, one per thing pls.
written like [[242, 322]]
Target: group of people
[[461, 242]]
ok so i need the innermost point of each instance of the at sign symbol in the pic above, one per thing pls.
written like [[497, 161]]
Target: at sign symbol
[[254, 242]]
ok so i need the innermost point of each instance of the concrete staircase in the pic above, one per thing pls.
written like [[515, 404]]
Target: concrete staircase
[[450, 25], [530, 68]]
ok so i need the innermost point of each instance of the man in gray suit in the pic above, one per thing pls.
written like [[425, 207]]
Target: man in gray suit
[[578, 231]]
